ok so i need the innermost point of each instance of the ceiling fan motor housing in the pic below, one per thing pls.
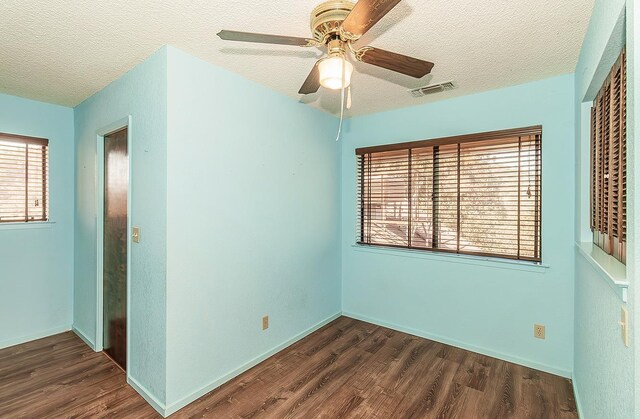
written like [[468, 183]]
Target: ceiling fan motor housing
[[327, 18]]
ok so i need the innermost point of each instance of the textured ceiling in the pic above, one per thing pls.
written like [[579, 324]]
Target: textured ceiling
[[63, 51]]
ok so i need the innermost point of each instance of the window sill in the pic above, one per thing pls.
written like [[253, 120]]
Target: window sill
[[612, 270], [455, 258], [26, 226]]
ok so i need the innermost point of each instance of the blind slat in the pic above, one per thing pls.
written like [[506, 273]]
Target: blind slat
[[24, 173], [480, 195]]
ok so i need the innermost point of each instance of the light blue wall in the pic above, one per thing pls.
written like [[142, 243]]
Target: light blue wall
[[36, 264], [603, 367], [141, 93], [486, 307], [252, 223]]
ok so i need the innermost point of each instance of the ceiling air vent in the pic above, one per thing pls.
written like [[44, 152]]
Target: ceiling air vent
[[432, 88]]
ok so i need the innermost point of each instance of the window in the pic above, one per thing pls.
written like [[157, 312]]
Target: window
[[24, 177], [477, 194], [609, 163]]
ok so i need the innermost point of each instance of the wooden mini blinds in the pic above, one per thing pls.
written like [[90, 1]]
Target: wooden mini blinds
[[24, 177], [609, 163], [476, 194]]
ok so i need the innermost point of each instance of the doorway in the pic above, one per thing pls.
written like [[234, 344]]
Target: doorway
[[114, 246]]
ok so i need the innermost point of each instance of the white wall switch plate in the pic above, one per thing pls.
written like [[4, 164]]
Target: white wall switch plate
[[624, 326]]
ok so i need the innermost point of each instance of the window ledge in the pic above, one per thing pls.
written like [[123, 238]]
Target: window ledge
[[26, 226], [612, 270], [455, 258]]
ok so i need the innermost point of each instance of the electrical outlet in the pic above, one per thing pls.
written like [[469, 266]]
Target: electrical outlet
[[624, 325], [265, 322], [538, 331]]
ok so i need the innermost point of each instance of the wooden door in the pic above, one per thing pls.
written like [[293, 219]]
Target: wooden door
[[116, 184]]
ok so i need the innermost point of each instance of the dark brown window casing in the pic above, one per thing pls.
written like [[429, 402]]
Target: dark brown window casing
[[24, 179], [477, 194], [609, 163]]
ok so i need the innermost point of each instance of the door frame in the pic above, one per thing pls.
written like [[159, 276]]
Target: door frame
[[100, 134]]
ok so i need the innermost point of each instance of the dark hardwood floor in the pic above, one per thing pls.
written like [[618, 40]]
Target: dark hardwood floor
[[348, 369]]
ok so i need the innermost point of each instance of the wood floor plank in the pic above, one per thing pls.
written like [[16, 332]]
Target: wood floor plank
[[121, 403], [347, 369], [431, 395], [300, 399], [45, 374], [52, 355], [344, 401], [377, 404], [470, 406], [37, 346], [374, 371], [501, 393], [313, 395], [225, 399], [91, 383], [473, 371]]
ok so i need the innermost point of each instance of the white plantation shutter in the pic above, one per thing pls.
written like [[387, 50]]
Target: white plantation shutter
[[24, 177]]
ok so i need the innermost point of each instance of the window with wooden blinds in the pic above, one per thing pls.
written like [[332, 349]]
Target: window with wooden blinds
[[24, 177], [609, 163], [477, 194]]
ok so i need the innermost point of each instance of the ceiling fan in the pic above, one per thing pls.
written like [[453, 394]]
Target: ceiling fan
[[336, 25]]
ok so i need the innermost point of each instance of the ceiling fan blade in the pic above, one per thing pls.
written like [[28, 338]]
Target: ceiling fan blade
[[312, 83], [395, 62], [364, 15], [266, 39]]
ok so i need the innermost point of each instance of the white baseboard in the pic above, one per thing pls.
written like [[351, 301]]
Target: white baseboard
[[174, 407], [478, 349], [142, 390], [84, 337], [147, 395], [33, 336], [576, 396]]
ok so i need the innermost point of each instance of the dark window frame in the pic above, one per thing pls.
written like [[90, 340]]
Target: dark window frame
[[13, 166], [533, 135]]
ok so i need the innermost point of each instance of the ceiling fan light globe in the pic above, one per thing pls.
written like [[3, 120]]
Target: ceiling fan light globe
[[331, 72]]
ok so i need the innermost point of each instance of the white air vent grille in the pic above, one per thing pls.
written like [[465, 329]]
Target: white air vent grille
[[432, 88]]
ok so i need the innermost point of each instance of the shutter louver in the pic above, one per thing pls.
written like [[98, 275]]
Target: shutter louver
[[478, 195], [24, 168], [608, 163], [599, 175], [593, 172], [623, 146]]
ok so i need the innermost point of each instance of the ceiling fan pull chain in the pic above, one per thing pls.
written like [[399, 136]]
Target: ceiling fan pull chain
[[344, 64], [349, 97]]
